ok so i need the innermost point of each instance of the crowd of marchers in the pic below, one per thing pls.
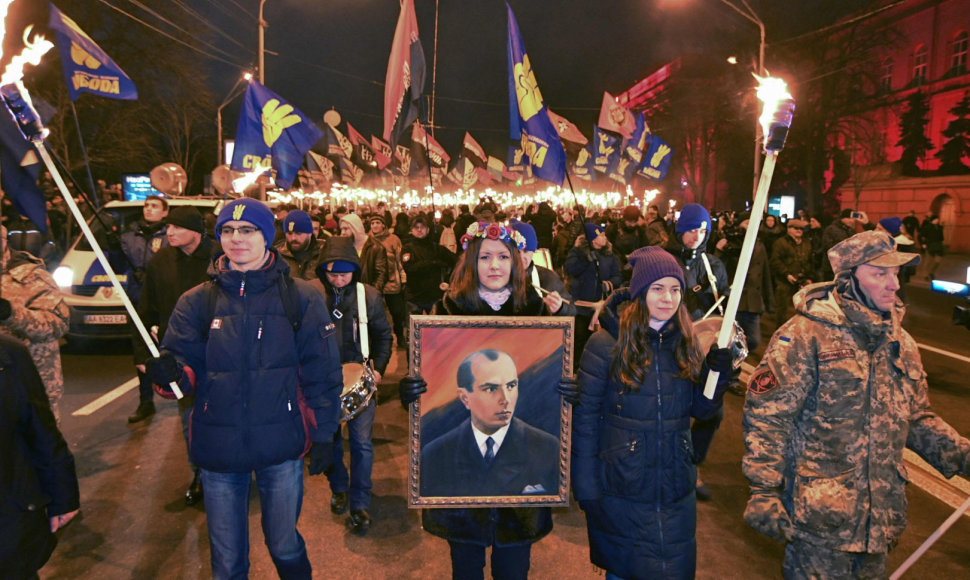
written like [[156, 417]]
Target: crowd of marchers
[[255, 313]]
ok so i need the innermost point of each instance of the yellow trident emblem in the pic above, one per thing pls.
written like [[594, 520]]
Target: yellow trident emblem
[[238, 211], [526, 89]]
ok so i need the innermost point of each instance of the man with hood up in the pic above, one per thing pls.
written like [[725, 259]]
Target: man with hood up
[[706, 280], [838, 395], [338, 274]]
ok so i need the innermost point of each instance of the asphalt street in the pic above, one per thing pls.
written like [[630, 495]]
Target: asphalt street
[[135, 524]]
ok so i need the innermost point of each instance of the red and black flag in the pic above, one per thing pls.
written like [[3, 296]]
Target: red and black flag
[[424, 147], [405, 76], [363, 153], [474, 152]]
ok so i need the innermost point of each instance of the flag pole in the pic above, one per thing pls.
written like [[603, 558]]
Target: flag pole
[[17, 101], [427, 154], [84, 152]]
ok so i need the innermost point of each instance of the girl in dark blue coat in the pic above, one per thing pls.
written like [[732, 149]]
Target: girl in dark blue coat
[[640, 383]]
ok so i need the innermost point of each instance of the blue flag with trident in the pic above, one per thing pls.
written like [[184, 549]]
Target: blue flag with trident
[[87, 68], [528, 115], [272, 132]]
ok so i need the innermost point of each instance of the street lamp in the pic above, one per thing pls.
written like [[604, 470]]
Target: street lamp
[[234, 92], [748, 13]]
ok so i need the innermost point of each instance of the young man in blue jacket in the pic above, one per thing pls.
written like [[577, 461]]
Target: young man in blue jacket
[[248, 342]]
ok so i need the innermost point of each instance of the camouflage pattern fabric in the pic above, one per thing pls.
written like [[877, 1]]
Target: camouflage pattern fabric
[[39, 318], [838, 395], [806, 561]]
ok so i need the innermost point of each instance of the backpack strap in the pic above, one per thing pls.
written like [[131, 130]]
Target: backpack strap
[[291, 298], [209, 307]]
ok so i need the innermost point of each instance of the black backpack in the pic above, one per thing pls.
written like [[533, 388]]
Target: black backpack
[[288, 295]]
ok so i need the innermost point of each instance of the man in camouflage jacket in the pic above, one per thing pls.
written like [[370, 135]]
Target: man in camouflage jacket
[[839, 393], [32, 310]]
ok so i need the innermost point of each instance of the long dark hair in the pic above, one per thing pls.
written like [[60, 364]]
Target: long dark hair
[[632, 354], [464, 284]]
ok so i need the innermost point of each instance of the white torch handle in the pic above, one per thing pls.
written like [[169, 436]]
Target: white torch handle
[[119, 290], [744, 261]]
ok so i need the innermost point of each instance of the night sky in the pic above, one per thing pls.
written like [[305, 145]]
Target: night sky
[[333, 53]]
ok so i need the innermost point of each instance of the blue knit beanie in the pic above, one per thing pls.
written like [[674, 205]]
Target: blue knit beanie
[[297, 222], [250, 210], [651, 264], [891, 225], [593, 230], [528, 232], [340, 267], [693, 217]]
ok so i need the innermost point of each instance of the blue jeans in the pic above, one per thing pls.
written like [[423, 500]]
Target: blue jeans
[[358, 481], [227, 512], [750, 323]]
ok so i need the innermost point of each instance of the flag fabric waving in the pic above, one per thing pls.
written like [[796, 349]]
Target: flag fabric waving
[[634, 147], [424, 147], [528, 115], [473, 151], [19, 171], [405, 76], [87, 69], [656, 161], [615, 117], [583, 167], [567, 131], [270, 129], [383, 152], [606, 149], [363, 152]]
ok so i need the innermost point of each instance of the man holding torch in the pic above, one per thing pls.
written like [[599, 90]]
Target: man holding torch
[[839, 394]]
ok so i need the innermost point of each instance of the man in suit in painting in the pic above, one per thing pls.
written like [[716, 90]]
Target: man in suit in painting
[[491, 452]]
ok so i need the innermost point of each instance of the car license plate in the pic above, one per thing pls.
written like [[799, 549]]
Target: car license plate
[[105, 319]]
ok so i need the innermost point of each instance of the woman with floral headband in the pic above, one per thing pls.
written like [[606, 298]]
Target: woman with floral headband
[[489, 281]]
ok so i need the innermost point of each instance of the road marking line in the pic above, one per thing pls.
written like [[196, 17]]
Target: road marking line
[[952, 492], [943, 352], [106, 398]]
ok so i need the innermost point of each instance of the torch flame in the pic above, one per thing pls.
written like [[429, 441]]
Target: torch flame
[[241, 183], [32, 54], [771, 91]]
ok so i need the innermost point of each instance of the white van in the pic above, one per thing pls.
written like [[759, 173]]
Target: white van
[[96, 310]]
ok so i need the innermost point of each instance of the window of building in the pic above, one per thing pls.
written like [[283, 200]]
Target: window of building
[[886, 75], [920, 63], [958, 58]]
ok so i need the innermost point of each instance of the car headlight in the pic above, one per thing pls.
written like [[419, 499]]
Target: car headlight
[[63, 276]]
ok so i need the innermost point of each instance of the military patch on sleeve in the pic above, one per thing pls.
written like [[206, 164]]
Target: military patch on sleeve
[[406, 257], [833, 355], [784, 340], [762, 382]]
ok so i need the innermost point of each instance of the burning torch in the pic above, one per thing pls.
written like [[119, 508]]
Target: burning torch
[[776, 118], [17, 101]]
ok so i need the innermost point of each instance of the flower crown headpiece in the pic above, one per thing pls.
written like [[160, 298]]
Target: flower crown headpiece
[[492, 232]]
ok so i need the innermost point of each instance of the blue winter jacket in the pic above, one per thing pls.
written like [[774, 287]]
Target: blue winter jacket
[[632, 464], [246, 416]]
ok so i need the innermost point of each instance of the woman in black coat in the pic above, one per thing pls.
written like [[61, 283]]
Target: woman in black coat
[[641, 382], [489, 280]]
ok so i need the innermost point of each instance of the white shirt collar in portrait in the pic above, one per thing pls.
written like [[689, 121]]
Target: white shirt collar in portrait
[[498, 437]]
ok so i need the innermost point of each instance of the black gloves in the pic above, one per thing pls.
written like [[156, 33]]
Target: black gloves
[[720, 359], [410, 390], [321, 458], [5, 309], [569, 389], [163, 370]]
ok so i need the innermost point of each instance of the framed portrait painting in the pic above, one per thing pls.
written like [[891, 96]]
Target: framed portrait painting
[[492, 428]]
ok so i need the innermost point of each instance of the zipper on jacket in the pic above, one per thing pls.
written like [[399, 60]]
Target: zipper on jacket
[[259, 344], [242, 286]]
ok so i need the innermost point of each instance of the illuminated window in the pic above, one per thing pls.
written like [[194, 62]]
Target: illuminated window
[[886, 75], [920, 63], [958, 59]]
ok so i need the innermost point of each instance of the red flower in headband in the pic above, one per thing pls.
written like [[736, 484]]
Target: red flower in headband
[[493, 231]]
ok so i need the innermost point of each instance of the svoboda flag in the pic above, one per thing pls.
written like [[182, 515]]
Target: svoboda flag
[[87, 69]]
